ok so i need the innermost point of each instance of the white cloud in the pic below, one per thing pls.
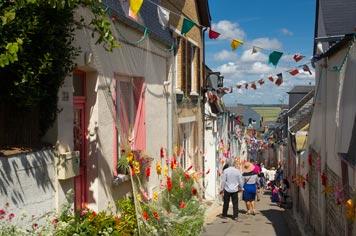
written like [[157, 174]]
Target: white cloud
[[228, 30], [259, 68], [247, 56], [225, 55], [267, 43], [286, 32]]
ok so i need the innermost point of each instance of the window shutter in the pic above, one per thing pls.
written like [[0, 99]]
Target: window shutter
[[189, 68], [198, 68], [182, 64]]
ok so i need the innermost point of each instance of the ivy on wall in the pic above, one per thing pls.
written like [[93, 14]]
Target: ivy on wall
[[36, 51]]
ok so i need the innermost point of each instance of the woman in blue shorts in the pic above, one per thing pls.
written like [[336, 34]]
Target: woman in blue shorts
[[250, 179]]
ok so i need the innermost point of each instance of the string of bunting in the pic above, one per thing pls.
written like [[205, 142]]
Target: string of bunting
[[277, 79], [164, 17]]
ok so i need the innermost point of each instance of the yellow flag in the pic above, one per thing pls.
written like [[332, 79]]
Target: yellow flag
[[135, 6], [235, 43]]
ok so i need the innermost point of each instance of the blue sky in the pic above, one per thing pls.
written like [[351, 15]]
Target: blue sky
[[286, 26]]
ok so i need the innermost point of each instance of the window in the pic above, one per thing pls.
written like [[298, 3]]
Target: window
[[189, 65], [79, 83], [131, 107]]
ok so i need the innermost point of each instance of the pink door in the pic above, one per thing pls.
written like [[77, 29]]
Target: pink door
[[79, 134]]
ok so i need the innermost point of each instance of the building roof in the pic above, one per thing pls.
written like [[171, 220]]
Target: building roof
[[335, 17], [149, 16], [301, 89], [301, 113]]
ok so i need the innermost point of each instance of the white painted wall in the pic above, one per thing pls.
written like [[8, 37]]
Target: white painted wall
[[27, 183], [148, 60], [211, 181]]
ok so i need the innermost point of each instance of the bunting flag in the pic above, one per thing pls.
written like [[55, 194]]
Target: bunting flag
[[246, 86], [187, 26], [271, 79], [253, 85], [135, 6], [261, 81], [239, 86], [213, 34], [307, 69], [255, 49], [163, 16], [279, 80], [235, 43], [297, 57], [274, 57], [294, 71]]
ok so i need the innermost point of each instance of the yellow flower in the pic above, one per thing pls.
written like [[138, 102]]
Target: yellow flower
[[165, 170], [139, 198], [130, 157], [155, 196], [136, 166], [158, 169]]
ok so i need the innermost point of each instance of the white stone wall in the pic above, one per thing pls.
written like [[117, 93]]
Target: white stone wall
[[148, 60], [27, 183]]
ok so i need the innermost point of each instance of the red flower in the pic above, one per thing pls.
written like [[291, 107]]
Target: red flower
[[2, 212], [155, 215], [182, 205], [173, 163], [83, 212], [186, 175], [54, 221], [34, 226], [11, 216], [324, 179], [161, 153], [189, 168], [194, 191], [148, 171], [169, 184], [310, 159], [145, 215]]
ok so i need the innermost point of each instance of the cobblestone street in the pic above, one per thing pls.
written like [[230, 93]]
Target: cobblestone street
[[269, 220]]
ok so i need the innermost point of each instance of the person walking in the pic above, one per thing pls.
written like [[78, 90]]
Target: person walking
[[250, 187], [231, 184]]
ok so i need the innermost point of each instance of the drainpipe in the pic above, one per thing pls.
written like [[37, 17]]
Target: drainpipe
[[202, 105], [169, 94]]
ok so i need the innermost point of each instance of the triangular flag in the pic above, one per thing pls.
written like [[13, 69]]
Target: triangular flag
[[213, 34], [187, 26], [279, 81], [246, 86], [255, 49], [261, 81], [294, 71], [163, 16], [135, 6], [271, 79], [297, 57], [307, 69], [238, 86], [274, 57], [253, 85], [235, 43]]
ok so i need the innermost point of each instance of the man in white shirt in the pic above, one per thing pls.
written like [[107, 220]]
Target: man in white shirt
[[231, 183]]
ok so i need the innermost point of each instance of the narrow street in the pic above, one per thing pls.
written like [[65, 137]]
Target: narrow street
[[269, 220]]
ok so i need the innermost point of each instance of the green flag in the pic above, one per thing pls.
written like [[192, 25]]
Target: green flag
[[187, 25], [274, 57]]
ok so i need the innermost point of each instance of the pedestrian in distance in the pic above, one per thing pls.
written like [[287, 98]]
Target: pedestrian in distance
[[250, 187], [231, 184]]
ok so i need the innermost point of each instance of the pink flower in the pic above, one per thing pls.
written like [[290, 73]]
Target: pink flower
[[11, 216], [2, 212], [34, 226]]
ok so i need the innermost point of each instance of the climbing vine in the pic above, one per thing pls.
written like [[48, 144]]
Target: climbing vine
[[36, 50]]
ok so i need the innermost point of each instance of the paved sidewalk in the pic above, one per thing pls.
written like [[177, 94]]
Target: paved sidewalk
[[269, 220]]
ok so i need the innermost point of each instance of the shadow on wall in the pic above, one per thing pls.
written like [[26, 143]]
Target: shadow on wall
[[19, 174]]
